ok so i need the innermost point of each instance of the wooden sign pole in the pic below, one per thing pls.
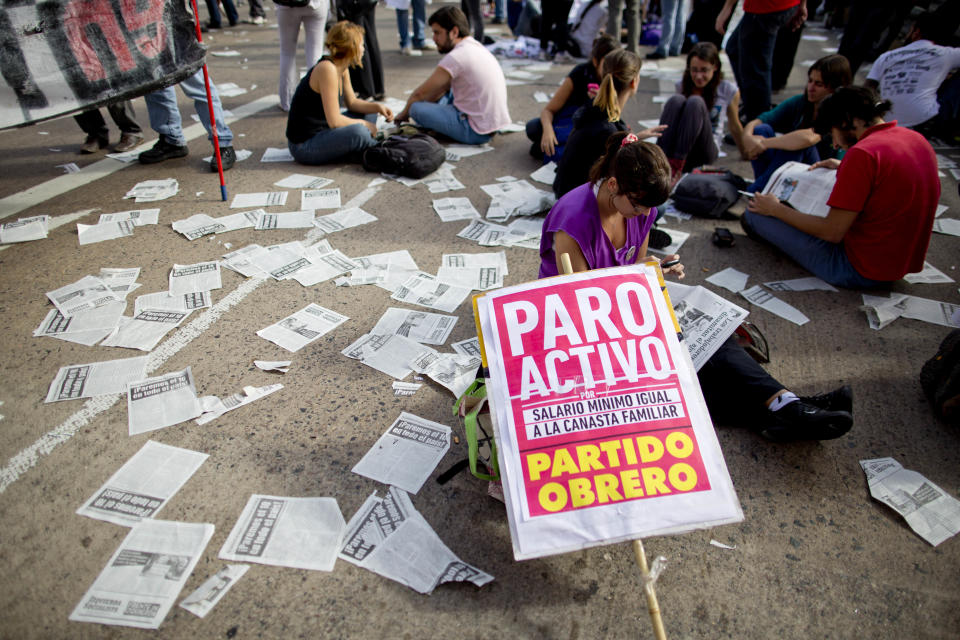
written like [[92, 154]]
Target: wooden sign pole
[[653, 607]]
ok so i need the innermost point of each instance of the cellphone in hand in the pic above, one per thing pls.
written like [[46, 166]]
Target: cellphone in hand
[[669, 263]]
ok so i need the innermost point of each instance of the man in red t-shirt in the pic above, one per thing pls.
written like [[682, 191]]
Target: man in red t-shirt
[[882, 206], [750, 47]]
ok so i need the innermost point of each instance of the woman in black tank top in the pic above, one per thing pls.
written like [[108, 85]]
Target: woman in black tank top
[[317, 131]]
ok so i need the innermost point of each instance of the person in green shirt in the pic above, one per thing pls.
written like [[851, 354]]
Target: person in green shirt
[[793, 118]]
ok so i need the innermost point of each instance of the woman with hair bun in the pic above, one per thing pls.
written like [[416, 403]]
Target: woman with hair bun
[[594, 123], [317, 131]]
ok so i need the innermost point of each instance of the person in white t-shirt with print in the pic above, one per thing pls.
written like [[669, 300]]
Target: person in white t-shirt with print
[[912, 78], [465, 98]]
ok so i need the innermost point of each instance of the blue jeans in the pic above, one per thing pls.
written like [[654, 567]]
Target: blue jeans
[[165, 116], [674, 24], [443, 117], [228, 6], [562, 128], [344, 144], [419, 24], [498, 9], [826, 260], [631, 14], [772, 159], [750, 50]]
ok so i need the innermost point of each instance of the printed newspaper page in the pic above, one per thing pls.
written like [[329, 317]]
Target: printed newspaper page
[[96, 378], [706, 319], [143, 485], [302, 533], [146, 573], [303, 327], [407, 453], [389, 537], [602, 431], [201, 601], [422, 326], [805, 190], [160, 402], [929, 510]]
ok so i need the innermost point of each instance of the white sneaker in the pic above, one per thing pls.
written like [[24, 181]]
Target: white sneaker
[[410, 51], [428, 45], [257, 20]]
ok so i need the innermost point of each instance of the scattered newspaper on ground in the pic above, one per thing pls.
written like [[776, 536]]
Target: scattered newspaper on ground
[[138, 217], [161, 402], [485, 233], [450, 209], [261, 199], [928, 275], [96, 378], [422, 326], [929, 510], [805, 190], [301, 533], [705, 318], [456, 152], [811, 283], [476, 278], [277, 154], [405, 388], [90, 234], [302, 181], [677, 238], [343, 219], [194, 278], [389, 537], [143, 485], [303, 327], [453, 371], [730, 279], [84, 327], [882, 311], [429, 291], [284, 220], [320, 199], [145, 574], [213, 407], [516, 198], [163, 300], [386, 270], [24, 230], [468, 347], [767, 301], [949, 226], [120, 280], [281, 366], [546, 174], [388, 353], [201, 601], [145, 329], [443, 180], [407, 453], [153, 190], [88, 292]]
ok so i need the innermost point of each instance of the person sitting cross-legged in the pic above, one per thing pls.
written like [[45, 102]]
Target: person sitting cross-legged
[[465, 98], [882, 206]]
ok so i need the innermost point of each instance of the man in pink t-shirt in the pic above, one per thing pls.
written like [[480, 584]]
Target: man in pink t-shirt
[[465, 98]]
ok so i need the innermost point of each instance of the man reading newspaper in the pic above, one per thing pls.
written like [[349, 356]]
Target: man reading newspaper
[[881, 209]]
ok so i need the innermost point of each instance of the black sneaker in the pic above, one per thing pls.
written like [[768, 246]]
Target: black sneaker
[[837, 400], [802, 421], [659, 239], [161, 151], [227, 159]]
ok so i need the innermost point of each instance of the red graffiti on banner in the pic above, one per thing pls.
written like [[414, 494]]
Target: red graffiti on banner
[[138, 24], [78, 16]]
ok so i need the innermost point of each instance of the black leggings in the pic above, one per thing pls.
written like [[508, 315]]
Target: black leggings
[[689, 134], [735, 387]]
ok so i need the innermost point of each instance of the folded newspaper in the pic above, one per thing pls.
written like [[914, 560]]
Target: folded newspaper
[[929, 510], [804, 189], [389, 537]]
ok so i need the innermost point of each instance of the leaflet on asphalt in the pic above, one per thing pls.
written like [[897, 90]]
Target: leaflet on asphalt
[[138, 217], [386, 270], [343, 219], [429, 291], [194, 278], [768, 302], [302, 181], [242, 261], [303, 327], [468, 347], [161, 402], [389, 537], [706, 319], [153, 190], [882, 311], [407, 453], [284, 220], [811, 283], [145, 574], [451, 370], [93, 233], [301, 533], [24, 230], [208, 594], [422, 326], [163, 300], [476, 278], [120, 280], [320, 199], [145, 329], [96, 378], [88, 292], [262, 199], [388, 353], [214, 407], [143, 485], [84, 327], [930, 511], [323, 267], [280, 366], [450, 209]]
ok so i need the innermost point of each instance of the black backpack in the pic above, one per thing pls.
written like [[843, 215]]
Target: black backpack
[[708, 195], [940, 379], [412, 156]]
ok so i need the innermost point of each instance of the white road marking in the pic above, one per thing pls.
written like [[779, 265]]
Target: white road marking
[[29, 457], [17, 202]]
